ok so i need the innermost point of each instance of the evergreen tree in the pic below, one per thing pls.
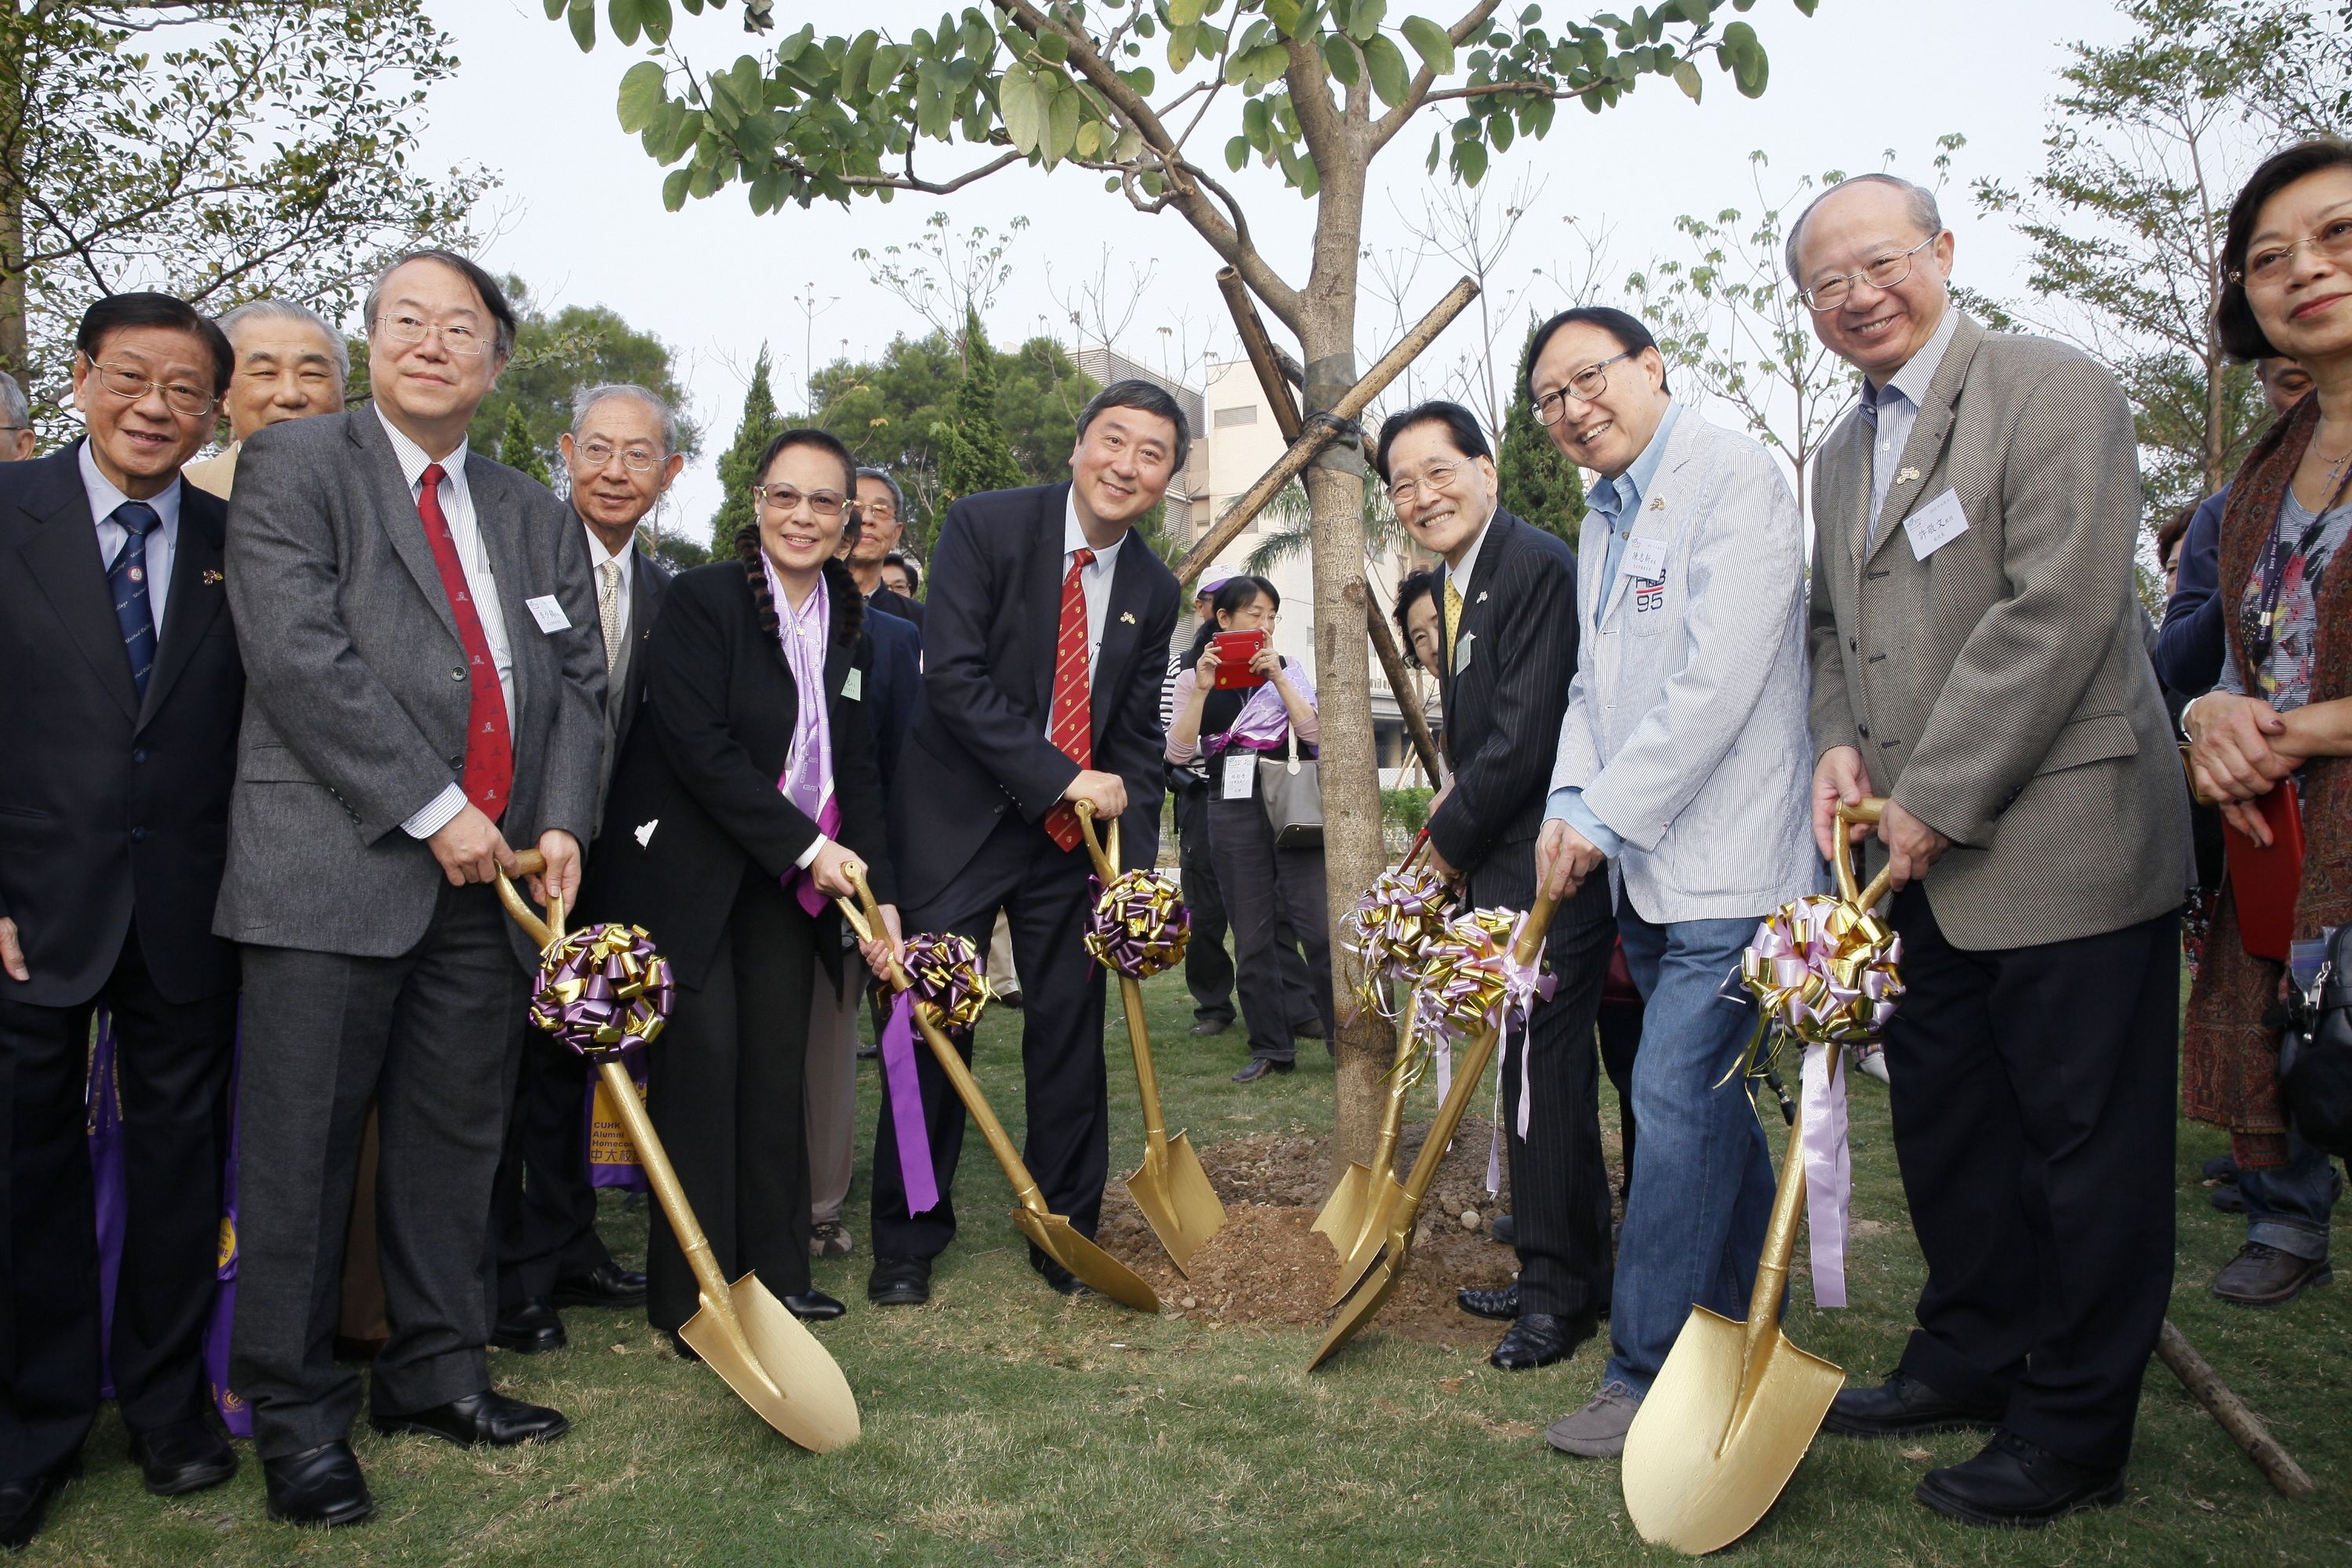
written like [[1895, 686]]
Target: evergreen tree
[[973, 453], [761, 425], [517, 451], [1535, 481]]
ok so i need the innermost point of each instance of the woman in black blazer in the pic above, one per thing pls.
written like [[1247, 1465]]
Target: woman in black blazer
[[712, 841]]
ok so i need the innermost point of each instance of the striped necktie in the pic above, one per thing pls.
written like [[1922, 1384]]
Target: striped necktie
[[126, 584], [1072, 727]]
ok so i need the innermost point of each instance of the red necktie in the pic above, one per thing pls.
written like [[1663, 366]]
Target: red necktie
[[1073, 726], [489, 754]]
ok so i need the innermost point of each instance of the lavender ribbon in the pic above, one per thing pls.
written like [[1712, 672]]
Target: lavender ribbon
[[1263, 722], [915, 1170], [1829, 1174], [1523, 985]]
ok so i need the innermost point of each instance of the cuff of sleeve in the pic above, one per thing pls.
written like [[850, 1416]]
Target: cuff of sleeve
[[809, 854], [1567, 804], [438, 813]]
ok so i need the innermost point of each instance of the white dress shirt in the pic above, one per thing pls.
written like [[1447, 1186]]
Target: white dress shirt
[[1094, 582], [457, 506], [112, 536], [1891, 411], [597, 556], [1460, 576]]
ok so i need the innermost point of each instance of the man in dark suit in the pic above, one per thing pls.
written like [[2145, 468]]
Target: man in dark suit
[[428, 683], [1042, 688], [881, 521], [621, 455], [1508, 606], [120, 711]]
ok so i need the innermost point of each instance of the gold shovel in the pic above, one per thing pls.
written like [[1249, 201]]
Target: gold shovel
[[741, 1332], [1396, 1244], [1054, 1234], [1735, 1405], [1169, 1186]]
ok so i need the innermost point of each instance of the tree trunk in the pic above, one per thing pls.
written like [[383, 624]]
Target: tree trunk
[[1354, 850], [15, 356], [2216, 415]]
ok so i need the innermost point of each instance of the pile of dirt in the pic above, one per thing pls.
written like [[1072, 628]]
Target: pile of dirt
[[1266, 1267]]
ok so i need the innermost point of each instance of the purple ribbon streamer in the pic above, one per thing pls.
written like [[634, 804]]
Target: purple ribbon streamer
[[915, 1170], [1829, 1174], [628, 1174]]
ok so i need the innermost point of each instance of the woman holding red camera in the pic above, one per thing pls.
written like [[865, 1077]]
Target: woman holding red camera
[[1241, 707]]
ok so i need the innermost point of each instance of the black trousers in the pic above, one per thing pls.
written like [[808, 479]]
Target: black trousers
[[1208, 967], [1276, 901], [1560, 1182], [173, 1066], [726, 1086], [1043, 893], [430, 1036], [2032, 1096], [1621, 1042], [544, 1215]]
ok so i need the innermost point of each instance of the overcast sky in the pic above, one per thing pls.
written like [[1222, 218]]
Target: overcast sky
[[582, 220]]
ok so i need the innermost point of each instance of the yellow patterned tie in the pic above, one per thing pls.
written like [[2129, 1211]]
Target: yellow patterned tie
[[1453, 618]]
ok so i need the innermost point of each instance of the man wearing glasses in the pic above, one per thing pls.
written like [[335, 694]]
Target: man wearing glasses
[[1507, 604], [620, 457], [17, 442], [1683, 759], [120, 711], [1978, 657], [881, 522], [428, 680]]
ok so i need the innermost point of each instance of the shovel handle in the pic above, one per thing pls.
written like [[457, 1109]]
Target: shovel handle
[[717, 1300], [1772, 1269], [546, 932], [1130, 990], [1393, 1114], [866, 923], [1852, 814], [1106, 866]]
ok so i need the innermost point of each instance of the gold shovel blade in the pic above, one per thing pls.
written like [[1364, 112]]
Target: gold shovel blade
[[1174, 1193], [1342, 1217], [1388, 1199], [777, 1368], [1364, 1305], [1695, 1482], [1061, 1242]]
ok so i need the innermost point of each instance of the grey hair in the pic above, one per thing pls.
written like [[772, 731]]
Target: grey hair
[[15, 414], [584, 401], [1923, 212], [898, 496], [298, 315], [494, 299]]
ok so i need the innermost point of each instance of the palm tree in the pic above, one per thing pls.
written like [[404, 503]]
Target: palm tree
[[1288, 529]]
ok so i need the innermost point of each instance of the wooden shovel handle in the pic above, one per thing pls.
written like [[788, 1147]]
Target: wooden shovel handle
[[716, 1299], [1866, 810], [1130, 991], [546, 932], [1106, 865]]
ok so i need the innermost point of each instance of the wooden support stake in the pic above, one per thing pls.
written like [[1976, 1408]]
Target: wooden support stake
[[2245, 1429], [1262, 355]]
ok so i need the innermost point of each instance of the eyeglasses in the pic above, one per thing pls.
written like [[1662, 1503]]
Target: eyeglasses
[[1435, 478], [2268, 268], [1584, 386], [130, 386], [458, 341], [784, 500], [636, 459], [1885, 272]]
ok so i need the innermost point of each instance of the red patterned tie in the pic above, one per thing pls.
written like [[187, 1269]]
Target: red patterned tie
[[1072, 728], [489, 753]]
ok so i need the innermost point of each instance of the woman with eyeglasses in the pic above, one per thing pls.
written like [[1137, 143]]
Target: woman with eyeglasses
[[746, 801], [2269, 742], [1235, 726]]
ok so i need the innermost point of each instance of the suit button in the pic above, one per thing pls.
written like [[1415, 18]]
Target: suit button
[[458, 761], [138, 835], [1851, 646], [458, 673], [140, 756]]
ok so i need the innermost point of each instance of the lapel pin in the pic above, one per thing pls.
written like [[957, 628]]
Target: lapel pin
[[645, 834], [210, 575], [1906, 475], [1482, 598], [1126, 617], [1657, 503]]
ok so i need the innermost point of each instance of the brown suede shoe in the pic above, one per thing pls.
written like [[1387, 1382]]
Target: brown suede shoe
[[2261, 1276]]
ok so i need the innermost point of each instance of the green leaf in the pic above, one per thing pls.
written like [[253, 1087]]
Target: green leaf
[[1183, 44], [555, 8], [1364, 19], [1341, 57], [1062, 124], [623, 14], [1237, 151], [643, 93], [673, 189], [1089, 140], [1020, 100], [1052, 46], [1390, 81], [856, 61], [1184, 13], [656, 16], [1686, 78], [583, 24], [1432, 43], [1470, 161]]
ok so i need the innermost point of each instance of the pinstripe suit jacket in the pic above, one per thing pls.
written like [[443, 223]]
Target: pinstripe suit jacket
[[2000, 690], [1686, 726]]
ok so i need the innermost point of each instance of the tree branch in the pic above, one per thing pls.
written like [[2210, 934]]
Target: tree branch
[[1388, 124]]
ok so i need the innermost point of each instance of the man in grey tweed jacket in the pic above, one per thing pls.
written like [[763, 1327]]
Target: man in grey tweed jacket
[[1978, 657], [425, 690]]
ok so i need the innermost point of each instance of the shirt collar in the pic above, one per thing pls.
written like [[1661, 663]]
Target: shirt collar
[[1460, 576], [1074, 534], [1918, 372], [1626, 490], [597, 553], [414, 460], [104, 498]]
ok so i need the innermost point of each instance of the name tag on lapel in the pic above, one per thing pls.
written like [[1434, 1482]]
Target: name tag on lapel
[[853, 686], [1644, 558], [1462, 652], [548, 614], [1934, 525]]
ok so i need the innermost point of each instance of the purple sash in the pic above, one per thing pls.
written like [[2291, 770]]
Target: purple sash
[[612, 1158]]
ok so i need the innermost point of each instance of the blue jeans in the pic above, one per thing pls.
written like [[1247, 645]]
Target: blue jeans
[[2288, 1206], [1702, 1191]]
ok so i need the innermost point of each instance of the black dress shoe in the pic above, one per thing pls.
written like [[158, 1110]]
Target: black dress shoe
[[813, 1306], [1258, 1067], [1539, 1339], [25, 1505], [1213, 1025], [2018, 1484], [607, 1285], [1310, 1030], [1505, 1230], [1903, 1406], [321, 1487], [1010, 998], [1501, 1303], [899, 1282], [530, 1329], [182, 1456], [487, 1417], [1064, 1282]]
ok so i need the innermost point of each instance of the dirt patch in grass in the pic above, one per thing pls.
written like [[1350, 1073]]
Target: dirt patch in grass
[[1268, 1266]]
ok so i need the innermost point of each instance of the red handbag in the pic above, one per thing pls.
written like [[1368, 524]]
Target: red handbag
[[2264, 882]]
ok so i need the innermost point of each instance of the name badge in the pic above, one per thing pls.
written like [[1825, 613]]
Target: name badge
[[1239, 779], [854, 687], [548, 614], [1644, 558], [1934, 525], [1462, 652]]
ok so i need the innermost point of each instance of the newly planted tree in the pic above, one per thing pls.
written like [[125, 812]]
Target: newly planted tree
[[1162, 101]]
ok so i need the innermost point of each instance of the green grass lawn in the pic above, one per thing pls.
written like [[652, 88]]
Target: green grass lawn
[[1004, 1425]]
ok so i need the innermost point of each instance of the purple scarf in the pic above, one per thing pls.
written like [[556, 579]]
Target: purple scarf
[[807, 780]]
